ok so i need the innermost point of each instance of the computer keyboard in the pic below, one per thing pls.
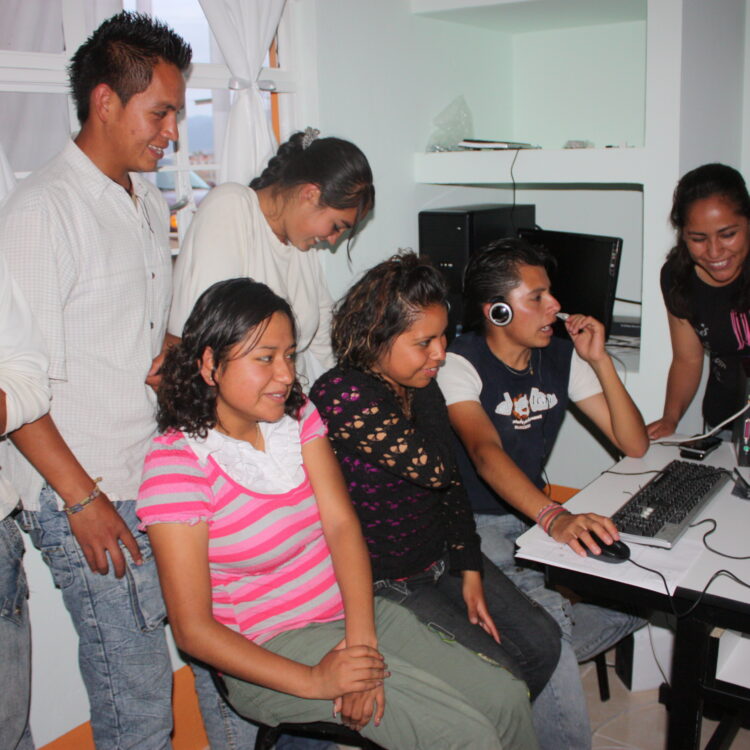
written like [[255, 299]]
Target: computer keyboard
[[659, 512]]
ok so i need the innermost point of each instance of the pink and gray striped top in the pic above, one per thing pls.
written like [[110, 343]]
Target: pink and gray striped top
[[271, 568]]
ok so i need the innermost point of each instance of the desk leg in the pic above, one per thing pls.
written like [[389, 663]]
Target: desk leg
[[689, 665]]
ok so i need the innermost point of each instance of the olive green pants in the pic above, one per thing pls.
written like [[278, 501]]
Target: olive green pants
[[439, 695]]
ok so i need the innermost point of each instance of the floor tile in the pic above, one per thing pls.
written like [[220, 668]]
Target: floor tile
[[634, 721]]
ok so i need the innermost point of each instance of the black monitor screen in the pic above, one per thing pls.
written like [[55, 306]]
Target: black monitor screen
[[585, 278]]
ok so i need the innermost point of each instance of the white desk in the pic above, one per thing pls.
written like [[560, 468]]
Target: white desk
[[688, 567], [689, 564]]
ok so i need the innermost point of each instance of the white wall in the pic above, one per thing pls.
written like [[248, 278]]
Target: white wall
[[712, 96], [383, 76], [745, 162], [580, 84]]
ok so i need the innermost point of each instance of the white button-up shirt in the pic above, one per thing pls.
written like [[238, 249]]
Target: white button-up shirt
[[94, 264], [23, 372]]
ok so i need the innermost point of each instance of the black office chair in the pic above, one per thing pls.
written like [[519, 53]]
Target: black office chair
[[623, 666], [602, 677], [319, 730]]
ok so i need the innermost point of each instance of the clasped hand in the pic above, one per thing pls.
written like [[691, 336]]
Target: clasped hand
[[353, 677]]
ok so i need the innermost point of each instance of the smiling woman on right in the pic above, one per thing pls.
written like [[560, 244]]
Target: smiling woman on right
[[706, 286]]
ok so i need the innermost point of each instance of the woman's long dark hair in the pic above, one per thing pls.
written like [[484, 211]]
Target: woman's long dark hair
[[339, 169], [225, 315], [703, 182], [381, 306]]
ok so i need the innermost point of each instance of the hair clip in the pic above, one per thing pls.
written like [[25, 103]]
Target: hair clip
[[309, 136]]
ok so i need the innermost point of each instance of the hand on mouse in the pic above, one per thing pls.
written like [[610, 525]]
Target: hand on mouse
[[574, 530]]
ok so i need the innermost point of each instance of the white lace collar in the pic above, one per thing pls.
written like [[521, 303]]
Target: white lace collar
[[277, 469]]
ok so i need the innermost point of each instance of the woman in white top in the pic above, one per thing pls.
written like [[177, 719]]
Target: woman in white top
[[311, 192]]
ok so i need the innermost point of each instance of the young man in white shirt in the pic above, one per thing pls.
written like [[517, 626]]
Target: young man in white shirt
[[86, 239]]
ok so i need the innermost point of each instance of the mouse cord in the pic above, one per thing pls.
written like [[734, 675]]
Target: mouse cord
[[689, 610], [709, 547]]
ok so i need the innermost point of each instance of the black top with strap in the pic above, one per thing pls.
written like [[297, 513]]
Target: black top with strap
[[725, 334]]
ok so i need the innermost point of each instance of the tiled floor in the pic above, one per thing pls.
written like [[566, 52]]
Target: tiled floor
[[634, 721]]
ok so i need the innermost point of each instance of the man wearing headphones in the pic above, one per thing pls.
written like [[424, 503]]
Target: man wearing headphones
[[507, 382]]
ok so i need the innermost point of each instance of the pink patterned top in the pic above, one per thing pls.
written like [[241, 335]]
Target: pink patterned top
[[270, 565]]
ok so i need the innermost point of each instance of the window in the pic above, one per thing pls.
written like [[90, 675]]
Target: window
[[33, 80], [207, 104]]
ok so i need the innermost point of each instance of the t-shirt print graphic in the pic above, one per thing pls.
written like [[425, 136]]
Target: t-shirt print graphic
[[525, 408]]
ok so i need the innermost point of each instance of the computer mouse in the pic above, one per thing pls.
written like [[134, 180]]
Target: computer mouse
[[616, 552]]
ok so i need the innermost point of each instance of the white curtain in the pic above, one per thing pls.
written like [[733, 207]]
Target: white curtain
[[7, 179], [35, 126], [244, 31]]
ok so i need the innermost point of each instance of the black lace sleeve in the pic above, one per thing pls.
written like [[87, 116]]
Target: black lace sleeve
[[462, 540], [363, 413], [365, 419]]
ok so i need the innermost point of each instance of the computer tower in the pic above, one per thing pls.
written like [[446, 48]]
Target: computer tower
[[449, 236]]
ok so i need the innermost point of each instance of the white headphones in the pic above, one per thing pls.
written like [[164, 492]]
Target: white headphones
[[500, 312]]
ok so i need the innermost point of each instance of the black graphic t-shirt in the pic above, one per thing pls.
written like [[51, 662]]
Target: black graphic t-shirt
[[526, 408], [725, 334]]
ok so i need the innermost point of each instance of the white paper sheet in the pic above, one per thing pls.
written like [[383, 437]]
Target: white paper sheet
[[672, 563]]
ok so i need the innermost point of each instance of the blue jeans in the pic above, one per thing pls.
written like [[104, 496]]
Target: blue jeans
[[15, 642], [122, 650], [530, 639], [560, 713], [590, 629]]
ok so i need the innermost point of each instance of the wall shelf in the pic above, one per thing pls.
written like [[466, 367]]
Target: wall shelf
[[619, 166], [520, 16]]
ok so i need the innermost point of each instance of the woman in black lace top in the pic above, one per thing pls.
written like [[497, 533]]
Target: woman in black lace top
[[388, 424]]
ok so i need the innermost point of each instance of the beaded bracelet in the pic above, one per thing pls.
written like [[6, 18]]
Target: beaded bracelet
[[78, 507]]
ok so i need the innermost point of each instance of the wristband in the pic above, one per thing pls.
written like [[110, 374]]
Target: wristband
[[552, 522], [78, 507], [546, 509], [551, 516]]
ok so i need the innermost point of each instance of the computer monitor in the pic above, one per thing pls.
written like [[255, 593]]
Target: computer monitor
[[585, 278]]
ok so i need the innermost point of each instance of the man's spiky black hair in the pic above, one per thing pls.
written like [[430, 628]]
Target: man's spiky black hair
[[122, 53]]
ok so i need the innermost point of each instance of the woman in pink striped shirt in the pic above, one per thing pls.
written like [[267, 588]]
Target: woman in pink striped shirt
[[262, 562]]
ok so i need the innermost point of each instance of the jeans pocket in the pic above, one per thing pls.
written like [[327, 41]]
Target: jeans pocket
[[146, 599], [60, 565], [12, 607], [14, 589]]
